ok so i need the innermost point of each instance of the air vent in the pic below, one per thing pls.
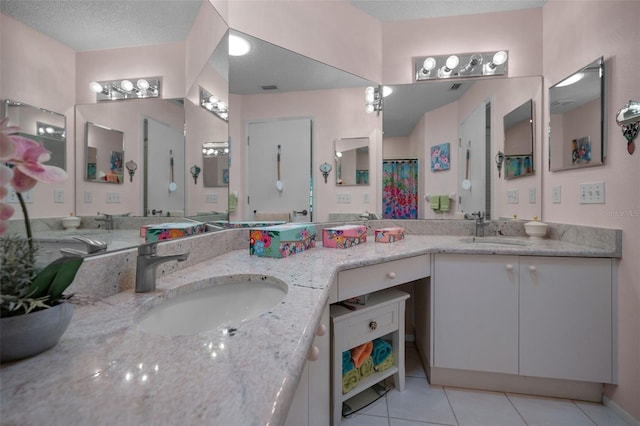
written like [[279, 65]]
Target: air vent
[[455, 86], [270, 87]]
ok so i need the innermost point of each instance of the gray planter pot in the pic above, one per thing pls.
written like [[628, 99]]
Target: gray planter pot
[[27, 335]]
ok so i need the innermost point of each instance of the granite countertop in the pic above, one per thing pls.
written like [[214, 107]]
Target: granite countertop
[[106, 371]]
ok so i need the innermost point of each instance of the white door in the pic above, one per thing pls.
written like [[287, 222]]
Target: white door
[[290, 140], [472, 148], [164, 164]]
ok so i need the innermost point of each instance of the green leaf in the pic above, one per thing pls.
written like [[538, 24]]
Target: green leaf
[[54, 279]]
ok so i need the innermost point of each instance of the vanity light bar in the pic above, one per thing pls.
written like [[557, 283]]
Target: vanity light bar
[[478, 64], [214, 104], [134, 88]]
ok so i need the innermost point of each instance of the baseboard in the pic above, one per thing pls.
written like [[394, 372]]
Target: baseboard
[[632, 421]]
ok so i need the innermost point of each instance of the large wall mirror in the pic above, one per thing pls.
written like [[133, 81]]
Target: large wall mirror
[[576, 108], [47, 127], [104, 154], [518, 142], [352, 161], [215, 164]]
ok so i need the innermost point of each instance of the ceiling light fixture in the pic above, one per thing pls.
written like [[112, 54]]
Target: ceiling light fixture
[[238, 46], [475, 64], [571, 80], [124, 89]]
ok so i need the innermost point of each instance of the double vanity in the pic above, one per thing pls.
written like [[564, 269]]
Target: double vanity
[[499, 312]]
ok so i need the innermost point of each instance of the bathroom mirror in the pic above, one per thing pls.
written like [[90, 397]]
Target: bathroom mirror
[[518, 141], [352, 161], [576, 122], [215, 164], [104, 154], [47, 127]]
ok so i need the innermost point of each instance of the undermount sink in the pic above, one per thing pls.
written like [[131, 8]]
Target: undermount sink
[[494, 240], [209, 304]]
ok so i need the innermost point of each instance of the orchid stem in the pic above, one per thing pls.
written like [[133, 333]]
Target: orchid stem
[[27, 223]]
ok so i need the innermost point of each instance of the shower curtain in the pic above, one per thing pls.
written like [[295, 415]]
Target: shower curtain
[[400, 189]]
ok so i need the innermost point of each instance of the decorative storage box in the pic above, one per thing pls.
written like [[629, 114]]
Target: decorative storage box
[[282, 240], [344, 236], [389, 235], [168, 231]]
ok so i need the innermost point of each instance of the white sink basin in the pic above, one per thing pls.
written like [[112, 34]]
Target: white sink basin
[[209, 304], [494, 240]]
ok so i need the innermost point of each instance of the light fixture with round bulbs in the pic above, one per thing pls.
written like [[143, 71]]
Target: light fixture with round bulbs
[[126, 85]]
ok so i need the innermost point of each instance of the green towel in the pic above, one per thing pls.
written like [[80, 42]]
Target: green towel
[[387, 363], [366, 368], [435, 203], [444, 203], [350, 380]]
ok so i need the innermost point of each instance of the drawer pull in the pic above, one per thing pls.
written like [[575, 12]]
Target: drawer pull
[[322, 330], [314, 353], [373, 325], [509, 267], [532, 268], [391, 275]]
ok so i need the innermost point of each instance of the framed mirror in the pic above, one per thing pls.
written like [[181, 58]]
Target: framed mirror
[[352, 161], [215, 164], [46, 127], [104, 154], [518, 142], [576, 122]]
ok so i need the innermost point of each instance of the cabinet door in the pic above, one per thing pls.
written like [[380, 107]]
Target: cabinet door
[[565, 318], [475, 310]]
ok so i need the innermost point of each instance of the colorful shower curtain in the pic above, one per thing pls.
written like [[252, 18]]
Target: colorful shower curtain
[[400, 189]]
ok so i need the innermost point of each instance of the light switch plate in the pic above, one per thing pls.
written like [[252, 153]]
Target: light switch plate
[[556, 194], [88, 197], [343, 198], [513, 196], [58, 195], [11, 197], [532, 195], [592, 193], [211, 198], [113, 198]]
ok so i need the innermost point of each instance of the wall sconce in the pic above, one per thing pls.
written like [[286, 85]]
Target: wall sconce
[[476, 64], [195, 171], [131, 167], [373, 99], [125, 89], [628, 118], [325, 168], [50, 131], [499, 161], [213, 104], [215, 149]]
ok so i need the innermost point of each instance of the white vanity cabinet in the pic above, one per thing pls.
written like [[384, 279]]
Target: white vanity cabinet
[[311, 404], [475, 313], [566, 318], [546, 317]]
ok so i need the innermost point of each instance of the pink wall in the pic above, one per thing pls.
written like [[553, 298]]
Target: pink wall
[[329, 123], [314, 29], [41, 72], [574, 35], [573, 125], [519, 32]]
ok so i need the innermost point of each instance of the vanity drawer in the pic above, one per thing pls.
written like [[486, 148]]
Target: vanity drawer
[[368, 325], [367, 279]]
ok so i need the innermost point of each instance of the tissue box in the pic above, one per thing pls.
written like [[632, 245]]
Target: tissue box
[[344, 236], [389, 235], [282, 240], [168, 231]]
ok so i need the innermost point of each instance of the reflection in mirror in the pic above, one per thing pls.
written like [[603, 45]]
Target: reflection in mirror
[[576, 107], [104, 154], [352, 161], [47, 127], [215, 164], [518, 141]]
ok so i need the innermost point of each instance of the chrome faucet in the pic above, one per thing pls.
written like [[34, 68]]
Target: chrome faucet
[[107, 219], [147, 262]]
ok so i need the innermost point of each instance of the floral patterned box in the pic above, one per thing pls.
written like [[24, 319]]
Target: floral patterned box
[[282, 240], [344, 236], [168, 231], [389, 235]]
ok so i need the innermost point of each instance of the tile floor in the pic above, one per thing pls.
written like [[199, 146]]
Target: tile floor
[[423, 405]]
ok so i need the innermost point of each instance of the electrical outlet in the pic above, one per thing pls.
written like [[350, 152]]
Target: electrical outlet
[[556, 194], [113, 198], [211, 198], [88, 197], [592, 193], [513, 196], [343, 198], [365, 198], [12, 197], [532, 195], [58, 195]]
